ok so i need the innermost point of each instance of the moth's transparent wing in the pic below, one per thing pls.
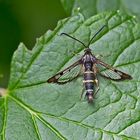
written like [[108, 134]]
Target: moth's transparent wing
[[112, 73], [68, 74]]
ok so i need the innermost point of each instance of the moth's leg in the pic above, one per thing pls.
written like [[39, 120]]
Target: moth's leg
[[95, 70], [83, 90], [96, 81]]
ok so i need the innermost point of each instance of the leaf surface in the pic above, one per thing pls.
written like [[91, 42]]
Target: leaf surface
[[32, 109], [91, 7]]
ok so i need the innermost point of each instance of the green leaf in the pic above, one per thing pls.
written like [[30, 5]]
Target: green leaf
[[91, 7], [32, 109]]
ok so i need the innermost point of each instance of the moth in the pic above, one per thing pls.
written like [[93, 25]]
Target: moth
[[91, 67]]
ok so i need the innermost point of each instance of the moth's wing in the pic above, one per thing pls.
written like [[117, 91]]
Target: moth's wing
[[112, 73], [68, 74]]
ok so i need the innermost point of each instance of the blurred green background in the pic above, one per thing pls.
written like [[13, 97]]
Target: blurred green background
[[24, 21]]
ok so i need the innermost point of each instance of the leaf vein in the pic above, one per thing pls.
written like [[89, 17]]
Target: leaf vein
[[37, 114], [34, 57], [72, 55], [36, 128]]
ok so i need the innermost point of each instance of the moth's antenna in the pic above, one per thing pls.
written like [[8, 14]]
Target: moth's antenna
[[96, 35], [74, 39]]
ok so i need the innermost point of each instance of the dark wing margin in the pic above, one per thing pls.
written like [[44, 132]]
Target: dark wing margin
[[112, 73], [67, 75]]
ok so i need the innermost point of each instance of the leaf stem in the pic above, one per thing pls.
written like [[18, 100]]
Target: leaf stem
[[3, 92]]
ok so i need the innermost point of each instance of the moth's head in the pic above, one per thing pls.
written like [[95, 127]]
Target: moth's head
[[87, 51]]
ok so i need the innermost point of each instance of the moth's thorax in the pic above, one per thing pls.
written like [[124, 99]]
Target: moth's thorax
[[88, 56], [88, 59]]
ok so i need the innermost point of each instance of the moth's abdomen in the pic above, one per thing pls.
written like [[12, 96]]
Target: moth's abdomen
[[89, 84], [88, 80], [89, 76]]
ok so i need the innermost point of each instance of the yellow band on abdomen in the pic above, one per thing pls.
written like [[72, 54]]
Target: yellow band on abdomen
[[88, 81], [88, 72]]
